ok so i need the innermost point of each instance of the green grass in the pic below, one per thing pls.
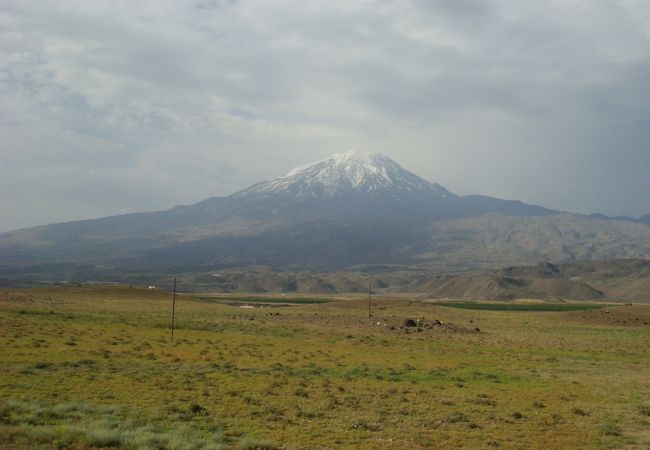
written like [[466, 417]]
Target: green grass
[[531, 307], [86, 425], [281, 300], [314, 376]]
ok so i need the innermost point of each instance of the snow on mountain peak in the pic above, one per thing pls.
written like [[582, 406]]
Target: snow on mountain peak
[[342, 163], [349, 172]]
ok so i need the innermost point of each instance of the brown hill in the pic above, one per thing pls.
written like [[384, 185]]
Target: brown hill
[[615, 280], [625, 280], [543, 281]]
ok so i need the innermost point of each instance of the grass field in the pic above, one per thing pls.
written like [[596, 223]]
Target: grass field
[[271, 300], [509, 306], [95, 368]]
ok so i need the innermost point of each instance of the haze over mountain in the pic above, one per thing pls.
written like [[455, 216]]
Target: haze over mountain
[[348, 210]]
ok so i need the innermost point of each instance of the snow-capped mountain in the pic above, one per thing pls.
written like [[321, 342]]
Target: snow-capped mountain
[[350, 173], [346, 210]]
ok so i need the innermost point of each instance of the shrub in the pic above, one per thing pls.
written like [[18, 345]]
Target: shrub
[[103, 437], [256, 444], [644, 410], [42, 365], [611, 429], [579, 412], [456, 417]]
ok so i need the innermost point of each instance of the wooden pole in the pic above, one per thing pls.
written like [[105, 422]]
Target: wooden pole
[[369, 296], [173, 308]]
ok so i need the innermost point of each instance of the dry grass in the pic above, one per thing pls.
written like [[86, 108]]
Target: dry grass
[[94, 367]]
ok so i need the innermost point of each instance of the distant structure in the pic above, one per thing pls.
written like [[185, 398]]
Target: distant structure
[[152, 287]]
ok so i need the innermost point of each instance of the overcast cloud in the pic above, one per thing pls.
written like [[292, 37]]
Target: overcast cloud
[[109, 107]]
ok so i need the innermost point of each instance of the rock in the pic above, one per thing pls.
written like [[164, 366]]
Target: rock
[[410, 323], [197, 409]]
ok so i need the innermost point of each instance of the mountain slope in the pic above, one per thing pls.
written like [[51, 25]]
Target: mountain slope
[[613, 280], [349, 209], [541, 281]]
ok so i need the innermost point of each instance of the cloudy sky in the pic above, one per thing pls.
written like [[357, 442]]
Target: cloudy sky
[[109, 107]]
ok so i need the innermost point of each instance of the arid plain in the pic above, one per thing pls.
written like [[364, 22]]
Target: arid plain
[[94, 367]]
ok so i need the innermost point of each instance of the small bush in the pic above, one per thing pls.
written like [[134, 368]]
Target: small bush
[[144, 438], [483, 400], [300, 393], [256, 444], [611, 429], [456, 417], [644, 410], [42, 365], [103, 437], [579, 412], [40, 434], [197, 409]]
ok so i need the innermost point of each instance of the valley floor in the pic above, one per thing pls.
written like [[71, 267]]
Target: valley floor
[[95, 367]]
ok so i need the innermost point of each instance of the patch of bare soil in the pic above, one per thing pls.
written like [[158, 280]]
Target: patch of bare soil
[[624, 315]]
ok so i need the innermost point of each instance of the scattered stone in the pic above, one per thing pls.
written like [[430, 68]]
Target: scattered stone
[[410, 323]]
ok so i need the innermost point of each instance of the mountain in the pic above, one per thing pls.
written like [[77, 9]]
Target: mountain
[[347, 210], [357, 185]]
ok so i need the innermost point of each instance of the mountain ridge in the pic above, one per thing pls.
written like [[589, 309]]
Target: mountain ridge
[[345, 210]]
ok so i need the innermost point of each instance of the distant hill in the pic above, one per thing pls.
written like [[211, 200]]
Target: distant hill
[[540, 282], [645, 219], [336, 214], [626, 280], [615, 280]]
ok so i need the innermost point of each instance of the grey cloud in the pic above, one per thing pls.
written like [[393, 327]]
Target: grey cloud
[[167, 103]]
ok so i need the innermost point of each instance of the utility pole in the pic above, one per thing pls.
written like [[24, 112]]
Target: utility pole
[[369, 296], [173, 308]]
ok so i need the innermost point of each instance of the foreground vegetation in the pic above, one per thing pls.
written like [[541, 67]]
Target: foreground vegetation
[[95, 367]]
